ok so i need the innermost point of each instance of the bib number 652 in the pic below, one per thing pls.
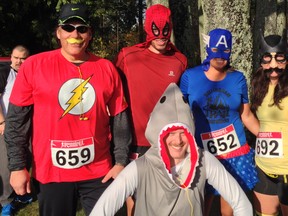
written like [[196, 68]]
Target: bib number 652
[[221, 145]]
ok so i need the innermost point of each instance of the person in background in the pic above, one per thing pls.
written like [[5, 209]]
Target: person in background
[[218, 97], [146, 70], [75, 101], [8, 200], [169, 179], [269, 100]]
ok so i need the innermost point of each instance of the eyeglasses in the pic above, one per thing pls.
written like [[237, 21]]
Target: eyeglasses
[[70, 28], [279, 58]]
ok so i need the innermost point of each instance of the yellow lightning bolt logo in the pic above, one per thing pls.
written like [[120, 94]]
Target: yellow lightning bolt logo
[[76, 98]]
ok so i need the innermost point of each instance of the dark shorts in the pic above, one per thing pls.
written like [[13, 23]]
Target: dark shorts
[[271, 184], [61, 198]]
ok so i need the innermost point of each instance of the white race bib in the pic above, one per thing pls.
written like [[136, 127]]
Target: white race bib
[[221, 141], [73, 153], [269, 145]]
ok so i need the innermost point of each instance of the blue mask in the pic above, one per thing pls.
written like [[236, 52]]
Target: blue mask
[[218, 45]]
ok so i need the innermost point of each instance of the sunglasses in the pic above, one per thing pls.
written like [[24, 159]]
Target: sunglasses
[[79, 28], [279, 58]]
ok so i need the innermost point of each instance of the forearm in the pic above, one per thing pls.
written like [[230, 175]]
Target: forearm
[[17, 135], [121, 137], [253, 126], [249, 120]]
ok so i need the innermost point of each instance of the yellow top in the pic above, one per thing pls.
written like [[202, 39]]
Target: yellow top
[[272, 147]]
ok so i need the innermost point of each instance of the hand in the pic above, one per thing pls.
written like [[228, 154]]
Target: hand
[[20, 181], [116, 169]]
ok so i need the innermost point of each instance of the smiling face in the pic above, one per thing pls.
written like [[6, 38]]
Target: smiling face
[[177, 145], [273, 64], [158, 46], [158, 27], [218, 63], [75, 42]]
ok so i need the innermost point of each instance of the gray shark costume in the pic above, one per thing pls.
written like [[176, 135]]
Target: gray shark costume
[[161, 190]]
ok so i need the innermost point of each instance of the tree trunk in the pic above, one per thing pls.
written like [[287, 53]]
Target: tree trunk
[[234, 16], [186, 24], [152, 2]]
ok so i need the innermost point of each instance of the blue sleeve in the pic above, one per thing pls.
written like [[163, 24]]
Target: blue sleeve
[[243, 83]]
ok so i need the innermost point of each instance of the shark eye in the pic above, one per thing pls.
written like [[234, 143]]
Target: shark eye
[[163, 99], [184, 99]]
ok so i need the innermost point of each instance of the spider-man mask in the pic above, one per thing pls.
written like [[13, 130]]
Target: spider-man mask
[[158, 22]]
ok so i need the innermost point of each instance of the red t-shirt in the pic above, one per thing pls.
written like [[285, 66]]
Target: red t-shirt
[[72, 105], [147, 75]]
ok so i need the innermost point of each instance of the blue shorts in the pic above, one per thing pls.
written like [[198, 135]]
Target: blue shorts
[[242, 168]]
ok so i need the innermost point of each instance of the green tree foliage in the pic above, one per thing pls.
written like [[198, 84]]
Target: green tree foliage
[[33, 23], [27, 22]]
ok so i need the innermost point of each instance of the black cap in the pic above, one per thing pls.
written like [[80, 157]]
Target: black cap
[[273, 43], [69, 11]]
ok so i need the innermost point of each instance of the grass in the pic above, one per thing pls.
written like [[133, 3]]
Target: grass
[[33, 210]]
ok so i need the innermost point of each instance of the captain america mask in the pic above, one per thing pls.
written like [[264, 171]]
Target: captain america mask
[[219, 44], [158, 23]]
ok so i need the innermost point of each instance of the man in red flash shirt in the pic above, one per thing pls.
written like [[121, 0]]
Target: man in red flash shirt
[[74, 100]]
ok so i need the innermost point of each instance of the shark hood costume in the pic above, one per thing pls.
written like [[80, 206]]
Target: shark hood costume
[[171, 113], [160, 189]]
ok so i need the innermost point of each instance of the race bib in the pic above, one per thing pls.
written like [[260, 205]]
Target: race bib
[[269, 145], [221, 141], [72, 154]]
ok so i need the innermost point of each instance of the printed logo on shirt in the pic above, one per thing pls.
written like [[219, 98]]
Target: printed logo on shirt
[[76, 96], [217, 109], [171, 73]]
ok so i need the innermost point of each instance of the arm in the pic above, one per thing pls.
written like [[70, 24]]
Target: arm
[[17, 135], [227, 186], [249, 119], [121, 140], [115, 195]]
